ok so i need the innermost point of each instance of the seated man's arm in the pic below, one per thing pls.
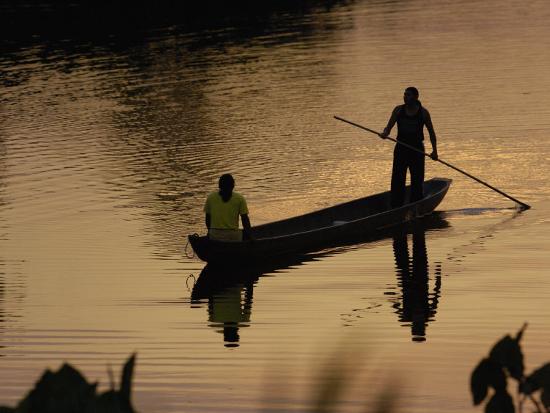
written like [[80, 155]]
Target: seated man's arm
[[207, 211], [246, 226]]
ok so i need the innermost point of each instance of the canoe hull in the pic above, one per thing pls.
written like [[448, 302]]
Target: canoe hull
[[341, 232]]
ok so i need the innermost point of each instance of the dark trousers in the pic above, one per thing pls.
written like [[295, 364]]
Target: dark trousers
[[403, 159]]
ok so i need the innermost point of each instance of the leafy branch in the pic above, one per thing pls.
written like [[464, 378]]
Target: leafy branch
[[505, 361]]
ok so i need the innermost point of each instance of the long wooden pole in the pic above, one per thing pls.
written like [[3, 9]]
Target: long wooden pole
[[522, 204]]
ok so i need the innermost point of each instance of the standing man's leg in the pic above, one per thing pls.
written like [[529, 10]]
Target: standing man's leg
[[417, 175], [420, 285], [398, 177]]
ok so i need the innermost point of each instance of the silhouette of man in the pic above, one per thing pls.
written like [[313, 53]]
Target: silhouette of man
[[222, 209], [411, 119]]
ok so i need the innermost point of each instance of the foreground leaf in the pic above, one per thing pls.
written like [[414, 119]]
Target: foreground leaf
[[501, 402], [507, 353], [487, 373], [540, 378], [545, 398], [519, 335]]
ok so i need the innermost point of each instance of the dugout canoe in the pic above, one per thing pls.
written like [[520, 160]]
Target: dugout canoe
[[337, 225]]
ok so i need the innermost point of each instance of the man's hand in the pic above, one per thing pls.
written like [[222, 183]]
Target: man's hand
[[433, 155], [384, 135], [247, 227]]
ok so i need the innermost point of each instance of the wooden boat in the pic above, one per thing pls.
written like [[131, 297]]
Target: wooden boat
[[337, 225]]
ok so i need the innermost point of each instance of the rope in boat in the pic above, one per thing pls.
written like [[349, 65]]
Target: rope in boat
[[187, 281], [186, 251]]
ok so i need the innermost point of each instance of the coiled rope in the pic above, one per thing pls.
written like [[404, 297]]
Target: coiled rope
[[186, 251]]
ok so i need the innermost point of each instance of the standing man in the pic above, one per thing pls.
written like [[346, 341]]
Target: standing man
[[411, 119]]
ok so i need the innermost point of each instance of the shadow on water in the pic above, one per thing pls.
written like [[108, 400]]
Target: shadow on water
[[480, 211], [229, 305], [98, 16], [161, 65], [419, 285], [105, 36], [118, 25], [229, 290]]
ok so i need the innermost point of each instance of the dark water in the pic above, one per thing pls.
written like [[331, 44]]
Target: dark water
[[110, 141]]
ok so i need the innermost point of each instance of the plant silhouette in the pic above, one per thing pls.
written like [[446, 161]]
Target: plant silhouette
[[505, 361], [67, 391]]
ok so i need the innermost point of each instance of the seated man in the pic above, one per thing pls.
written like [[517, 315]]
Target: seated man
[[222, 211]]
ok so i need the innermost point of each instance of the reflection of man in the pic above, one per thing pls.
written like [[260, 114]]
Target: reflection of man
[[418, 308], [411, 119], [222, 209], [227, 308], [229, 294]]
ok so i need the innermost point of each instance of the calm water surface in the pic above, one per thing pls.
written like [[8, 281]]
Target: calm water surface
[[108, 149]]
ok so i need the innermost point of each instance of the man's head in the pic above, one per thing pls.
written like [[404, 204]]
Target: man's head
[[411, 95], [226, 183], [231, 334]]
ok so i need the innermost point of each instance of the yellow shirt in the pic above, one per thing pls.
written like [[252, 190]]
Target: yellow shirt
[[225, 215]]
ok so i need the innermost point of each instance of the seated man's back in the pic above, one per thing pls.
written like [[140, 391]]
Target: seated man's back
[[223, 208]]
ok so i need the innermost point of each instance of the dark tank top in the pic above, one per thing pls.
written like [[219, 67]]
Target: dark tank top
[[410, 129]]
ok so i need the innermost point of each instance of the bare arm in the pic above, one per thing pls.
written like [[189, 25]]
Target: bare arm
[[431, 131], [246, 226], [391, 123]]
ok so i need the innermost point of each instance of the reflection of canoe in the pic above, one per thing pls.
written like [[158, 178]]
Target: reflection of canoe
[[214, 280], [337, 225]]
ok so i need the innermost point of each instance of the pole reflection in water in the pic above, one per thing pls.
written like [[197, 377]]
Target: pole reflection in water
[[229, 293], [416, 306]]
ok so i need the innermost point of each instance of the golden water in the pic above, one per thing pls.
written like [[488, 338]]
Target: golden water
[[107, 153]]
